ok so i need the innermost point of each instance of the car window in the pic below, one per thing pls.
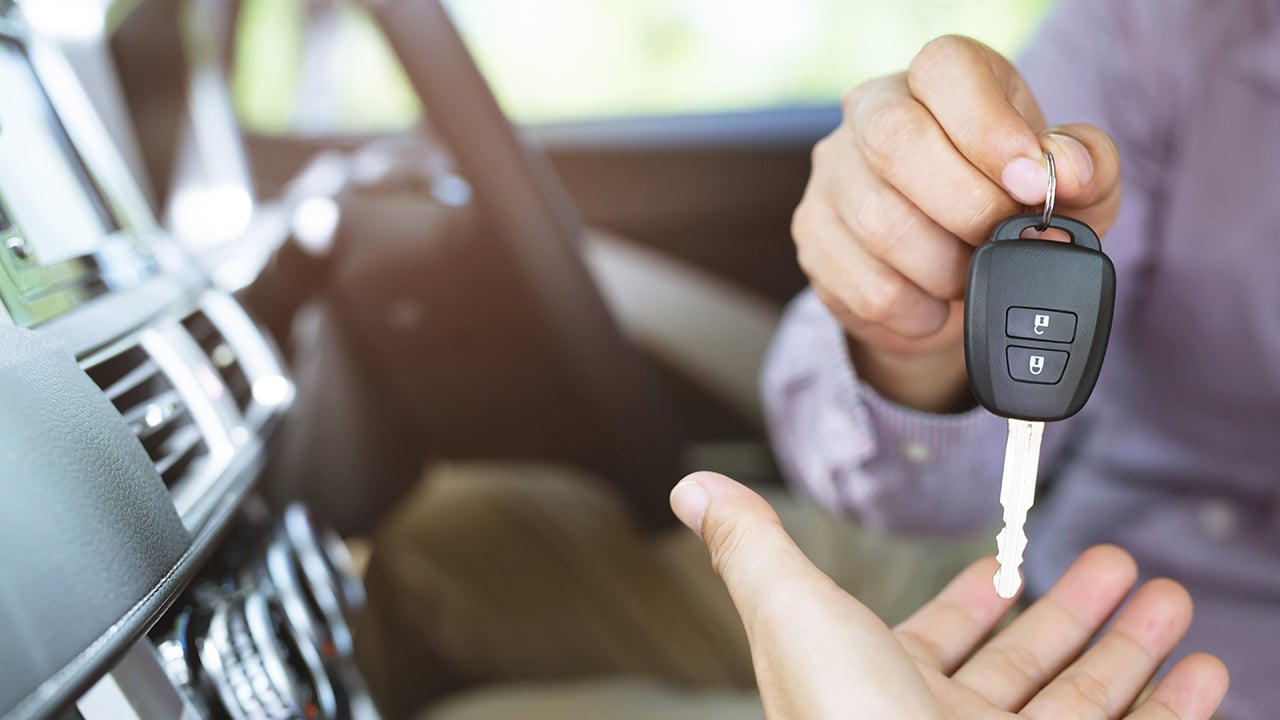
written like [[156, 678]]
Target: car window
[[323, 66]]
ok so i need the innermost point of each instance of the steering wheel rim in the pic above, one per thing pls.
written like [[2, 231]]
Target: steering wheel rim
[[538, 225]]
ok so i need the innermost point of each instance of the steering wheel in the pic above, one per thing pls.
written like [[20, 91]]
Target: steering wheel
[[538, 226]]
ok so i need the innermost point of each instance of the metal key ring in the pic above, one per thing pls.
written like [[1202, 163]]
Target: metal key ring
[[1047, 218]]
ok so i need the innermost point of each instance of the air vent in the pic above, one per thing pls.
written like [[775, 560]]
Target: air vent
[[222, 355], [153, 410]]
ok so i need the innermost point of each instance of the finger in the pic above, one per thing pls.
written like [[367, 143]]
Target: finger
[[759, 563], [1087, 164], [986, 110], [1104, 682], [892, 229], [1036, 646], [1088, 173], [947, 629], [903, 143], [874, 293], [1192, 690], [813, 647], [908, 353]]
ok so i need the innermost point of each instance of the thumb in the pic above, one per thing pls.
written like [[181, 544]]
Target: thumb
[[817, 652], [1087, 164], [750, 550]]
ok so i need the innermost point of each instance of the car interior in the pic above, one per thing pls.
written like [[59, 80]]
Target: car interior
[[227, 352]]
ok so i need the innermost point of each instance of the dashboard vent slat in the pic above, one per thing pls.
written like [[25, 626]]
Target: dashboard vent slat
[[111, 371], [155, 415], [133, 379], [222, 356], [179, 452], [154, 410]]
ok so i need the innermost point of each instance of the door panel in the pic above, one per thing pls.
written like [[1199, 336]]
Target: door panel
[[714, 190]]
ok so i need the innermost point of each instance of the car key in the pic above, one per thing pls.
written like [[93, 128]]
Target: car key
[[1037, 320]]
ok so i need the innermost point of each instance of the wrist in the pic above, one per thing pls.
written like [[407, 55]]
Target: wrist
[[934, 382]]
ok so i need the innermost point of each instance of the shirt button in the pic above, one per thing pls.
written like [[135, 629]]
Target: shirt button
[[915, 451], [1219, 520]]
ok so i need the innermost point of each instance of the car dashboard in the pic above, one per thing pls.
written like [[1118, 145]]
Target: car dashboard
[[140, 576]]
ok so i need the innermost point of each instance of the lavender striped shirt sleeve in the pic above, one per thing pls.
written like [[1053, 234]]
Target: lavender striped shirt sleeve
[[853, 451]]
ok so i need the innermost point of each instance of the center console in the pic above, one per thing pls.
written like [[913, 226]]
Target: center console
[[267, 632], [263, 633]]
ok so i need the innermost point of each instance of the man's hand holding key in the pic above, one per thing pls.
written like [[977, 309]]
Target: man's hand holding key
[[901, 197], [924, 165]]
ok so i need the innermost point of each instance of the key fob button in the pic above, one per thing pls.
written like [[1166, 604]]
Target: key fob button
[[1033, 365], [1040, 324]]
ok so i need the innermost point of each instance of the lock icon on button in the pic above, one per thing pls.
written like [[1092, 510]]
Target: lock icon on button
[[1041, 324], [1036, 364]]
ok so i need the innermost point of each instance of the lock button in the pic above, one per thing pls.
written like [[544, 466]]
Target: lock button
[[1033, 365], [1040, 324]]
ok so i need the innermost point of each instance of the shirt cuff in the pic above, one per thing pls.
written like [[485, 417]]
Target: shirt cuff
[[886, 461], [886, 427], [841, 442]]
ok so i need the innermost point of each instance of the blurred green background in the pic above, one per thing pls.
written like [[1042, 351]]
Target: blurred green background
[[323, 67]]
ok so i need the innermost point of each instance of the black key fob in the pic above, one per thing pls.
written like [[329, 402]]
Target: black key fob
[[1037, 319]]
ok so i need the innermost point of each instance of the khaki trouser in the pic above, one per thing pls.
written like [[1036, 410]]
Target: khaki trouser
[[521, 591]]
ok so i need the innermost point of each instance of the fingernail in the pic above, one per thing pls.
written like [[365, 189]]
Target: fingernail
[[689, 502], [1026, 180], [1076, 154]]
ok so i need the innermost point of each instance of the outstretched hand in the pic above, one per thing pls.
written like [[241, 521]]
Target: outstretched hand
[[819, 653]]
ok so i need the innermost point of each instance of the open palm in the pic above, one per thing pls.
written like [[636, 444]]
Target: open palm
[[819, 653]]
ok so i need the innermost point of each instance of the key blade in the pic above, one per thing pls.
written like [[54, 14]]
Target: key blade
[[1017, 495], [1007, 578]]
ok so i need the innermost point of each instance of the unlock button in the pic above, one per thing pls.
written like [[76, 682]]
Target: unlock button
[[1038, 324], [1036, 366]]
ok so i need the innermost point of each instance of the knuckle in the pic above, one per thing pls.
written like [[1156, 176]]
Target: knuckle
[[851, 97], [819, 152], [923, 646], [725, 538], [878, 220], [809, 264], [837, 306], [801, 222], [816, 265], [878, 298], [804, 223], [1091, 691], [885, 126], [733, 543], [1020, 96], [1019, 662], [941, 52], [983, 208]]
